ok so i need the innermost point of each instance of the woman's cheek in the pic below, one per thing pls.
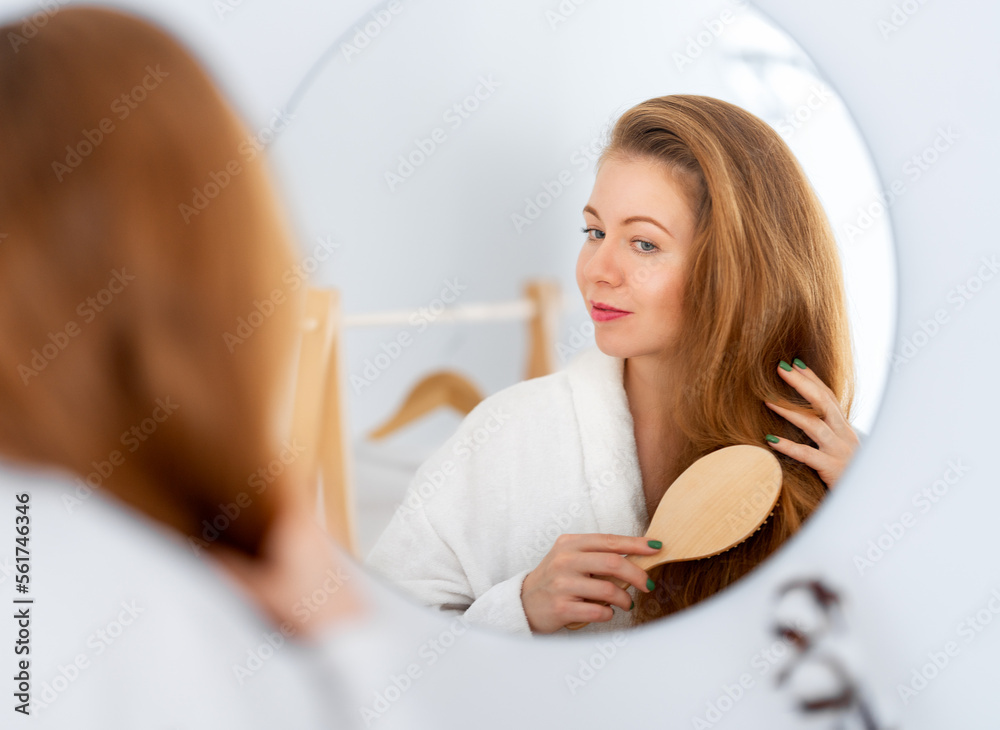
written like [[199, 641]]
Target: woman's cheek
[[581, 263]]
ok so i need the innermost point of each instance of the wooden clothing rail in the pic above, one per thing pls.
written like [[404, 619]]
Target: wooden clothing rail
[[319, 418]]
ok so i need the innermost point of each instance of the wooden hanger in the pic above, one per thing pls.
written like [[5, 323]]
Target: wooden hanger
[[443, 388], [447, 388]]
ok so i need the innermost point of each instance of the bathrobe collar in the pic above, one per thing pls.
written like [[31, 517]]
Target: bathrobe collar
[[607, 439]]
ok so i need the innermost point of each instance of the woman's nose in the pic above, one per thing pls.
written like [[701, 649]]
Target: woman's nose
[[603, 265]]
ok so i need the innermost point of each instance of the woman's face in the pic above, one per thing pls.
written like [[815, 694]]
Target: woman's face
[[640, 230]]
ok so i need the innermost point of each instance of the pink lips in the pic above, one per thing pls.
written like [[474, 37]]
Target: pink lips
[[600, 312]]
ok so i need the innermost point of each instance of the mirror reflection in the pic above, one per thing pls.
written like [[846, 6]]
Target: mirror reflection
[[556, 277]]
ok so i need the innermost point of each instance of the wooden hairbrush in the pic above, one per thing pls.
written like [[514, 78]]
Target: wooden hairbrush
[[718, 502]]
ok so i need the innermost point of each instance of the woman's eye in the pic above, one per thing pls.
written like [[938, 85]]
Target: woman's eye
[[643, 246], [594, 233]]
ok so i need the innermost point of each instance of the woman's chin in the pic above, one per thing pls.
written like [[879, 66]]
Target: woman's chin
[[612, 347], [628, 347]]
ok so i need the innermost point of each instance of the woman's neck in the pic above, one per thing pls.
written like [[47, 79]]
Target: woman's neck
[[649, 384]]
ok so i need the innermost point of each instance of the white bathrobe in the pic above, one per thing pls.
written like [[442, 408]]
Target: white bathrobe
[[128, 629], [541, 458], [544, 457]]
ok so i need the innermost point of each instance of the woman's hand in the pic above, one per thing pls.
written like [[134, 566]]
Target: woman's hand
[[829, 430], [562, 589]]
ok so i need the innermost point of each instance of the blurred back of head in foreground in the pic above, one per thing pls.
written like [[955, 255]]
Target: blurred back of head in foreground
[[138, 226]]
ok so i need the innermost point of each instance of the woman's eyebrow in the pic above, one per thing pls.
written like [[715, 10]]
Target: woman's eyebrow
[[647, 219], [632, 219]]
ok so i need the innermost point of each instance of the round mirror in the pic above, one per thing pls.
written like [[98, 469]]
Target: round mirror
[[437, 161]]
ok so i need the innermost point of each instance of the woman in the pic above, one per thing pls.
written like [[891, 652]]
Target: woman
[[137, 234], [708, 267]]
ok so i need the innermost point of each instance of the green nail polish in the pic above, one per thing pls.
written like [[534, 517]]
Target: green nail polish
[[799, 364], [650, 584], [654, 544], [632, 606], [785, 366], [772, 438]]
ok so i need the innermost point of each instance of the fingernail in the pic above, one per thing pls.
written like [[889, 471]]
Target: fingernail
[[785, 366], [654, 544], [632, 606], [771, 438], [650, 584], [799, 364]]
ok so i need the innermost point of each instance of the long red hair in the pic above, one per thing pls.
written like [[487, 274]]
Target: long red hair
[[765, 284], [137, 232]]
